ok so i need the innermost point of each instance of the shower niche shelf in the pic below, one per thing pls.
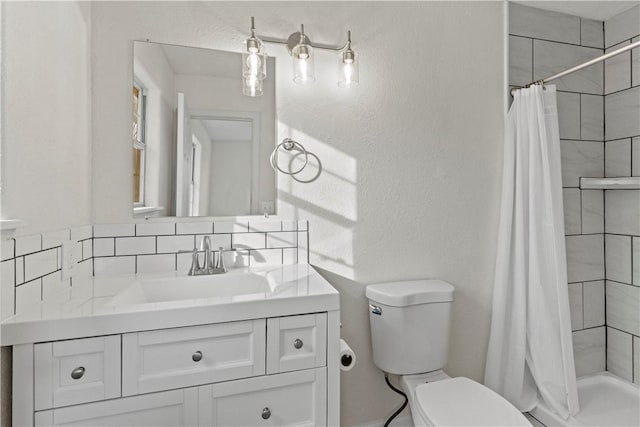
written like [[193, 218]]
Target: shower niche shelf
[[622, 183]]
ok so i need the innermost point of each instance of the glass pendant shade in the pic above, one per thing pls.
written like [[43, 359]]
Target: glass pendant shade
[[303, 64], [254, 59], [348, 70], [251, 86]]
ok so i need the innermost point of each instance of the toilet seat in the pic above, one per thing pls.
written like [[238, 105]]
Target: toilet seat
[[464, 402]]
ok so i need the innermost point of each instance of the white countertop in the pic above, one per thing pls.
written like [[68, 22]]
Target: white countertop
[[93, 310]]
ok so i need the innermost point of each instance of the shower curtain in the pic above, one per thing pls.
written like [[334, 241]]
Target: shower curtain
[[530, 353]]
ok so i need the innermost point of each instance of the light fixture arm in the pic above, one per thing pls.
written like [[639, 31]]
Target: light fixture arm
[[300, 37]]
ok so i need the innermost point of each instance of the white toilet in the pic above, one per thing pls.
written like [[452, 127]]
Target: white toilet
[[410, 336]]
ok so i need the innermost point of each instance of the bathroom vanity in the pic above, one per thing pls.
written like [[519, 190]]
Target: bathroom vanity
[[134, 351]]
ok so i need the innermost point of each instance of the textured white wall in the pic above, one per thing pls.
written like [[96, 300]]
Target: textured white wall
[[411, 158], [46, 114]]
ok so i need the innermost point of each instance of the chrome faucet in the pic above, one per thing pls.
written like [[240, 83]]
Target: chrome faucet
[[211, 264]]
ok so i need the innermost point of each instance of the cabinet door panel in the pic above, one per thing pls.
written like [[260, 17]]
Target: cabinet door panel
[[290, 399], [76, 371], [182, 357], [296, 342], [169, 408]]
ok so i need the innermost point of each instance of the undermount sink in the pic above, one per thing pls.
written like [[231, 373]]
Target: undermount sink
[[230, 286]]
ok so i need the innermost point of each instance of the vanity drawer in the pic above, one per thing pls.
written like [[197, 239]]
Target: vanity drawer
[[76, 371], [296, 342], [290, 399], [182, 357]]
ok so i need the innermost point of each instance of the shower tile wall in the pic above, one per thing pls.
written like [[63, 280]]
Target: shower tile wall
[[622, 207], [542, 43]]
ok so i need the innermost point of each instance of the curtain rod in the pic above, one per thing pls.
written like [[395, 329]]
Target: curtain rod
[[581, 66]]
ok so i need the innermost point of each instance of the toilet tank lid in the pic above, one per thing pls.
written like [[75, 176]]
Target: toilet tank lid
[[411, 292]]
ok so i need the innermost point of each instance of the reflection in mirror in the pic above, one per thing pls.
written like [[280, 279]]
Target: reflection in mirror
[[200, 147]]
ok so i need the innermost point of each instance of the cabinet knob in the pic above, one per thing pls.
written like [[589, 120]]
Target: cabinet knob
[[197, 356], [298, 343], [266, 413], [77, 373]]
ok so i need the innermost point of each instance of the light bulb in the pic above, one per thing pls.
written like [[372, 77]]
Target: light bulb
[[303, 64], [253, 63], [348, 76], [252, 86]]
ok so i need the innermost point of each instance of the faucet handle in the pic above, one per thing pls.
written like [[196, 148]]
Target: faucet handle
[[195, 264], [220, 261]]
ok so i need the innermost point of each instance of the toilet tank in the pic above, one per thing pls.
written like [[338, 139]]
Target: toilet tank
[[410, 324]]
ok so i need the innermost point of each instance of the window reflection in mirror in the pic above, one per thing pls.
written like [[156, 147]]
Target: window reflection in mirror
[[201, 147]]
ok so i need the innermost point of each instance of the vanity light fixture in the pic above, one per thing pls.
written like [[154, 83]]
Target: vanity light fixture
[[254, 64], [301, 50]]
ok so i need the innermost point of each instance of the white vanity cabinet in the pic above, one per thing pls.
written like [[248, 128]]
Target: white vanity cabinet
[[258, 372]]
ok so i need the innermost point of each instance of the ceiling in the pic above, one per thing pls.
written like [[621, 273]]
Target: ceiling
[[598, 10]]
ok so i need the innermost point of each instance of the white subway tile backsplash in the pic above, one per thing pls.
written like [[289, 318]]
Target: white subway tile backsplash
[[51, 239], [572, 210], [575, 305], [217, 241], [289, 256], [617, 70], [176, 243], [164, 263], [550, 58], [81, 232], [581, 158], [591, 117], [114, 265], [616, 154], [303, 247], [28, 244], [618, 258], [592, 211], [184, 262], [568, 114], [261, 226], [7, 288], [114, 230], [285, 239], [248, 240], [589, 351], [19, 270], [7, 249], [623, 210], [593, 303], [635, 261], [237, 259], [104, 247], [619, 354], [135, 245], [543, 24], [264, 257], [54, 288], [28, 294], [621, 112], [156, 229], [231, 227], [40, 264], [623, 306], [87, 249], [520, 61], [622, 26], [585, 257], [194, 228], [303, 225], [591, 33]]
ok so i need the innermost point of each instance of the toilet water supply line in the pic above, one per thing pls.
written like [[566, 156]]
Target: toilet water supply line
[[404, 405]]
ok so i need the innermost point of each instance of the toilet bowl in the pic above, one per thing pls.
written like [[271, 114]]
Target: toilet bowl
[[414, 316]]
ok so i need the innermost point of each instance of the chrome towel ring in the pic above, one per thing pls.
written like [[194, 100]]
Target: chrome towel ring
[[288, 144]]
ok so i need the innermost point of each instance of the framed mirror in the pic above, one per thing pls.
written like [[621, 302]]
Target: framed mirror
[[200, 147]]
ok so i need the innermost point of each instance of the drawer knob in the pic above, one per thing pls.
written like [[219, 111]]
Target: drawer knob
[[298, 343], [197, 356], [266, 413], [77, 373]]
